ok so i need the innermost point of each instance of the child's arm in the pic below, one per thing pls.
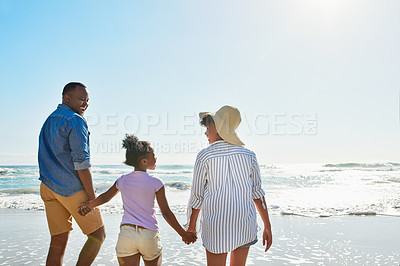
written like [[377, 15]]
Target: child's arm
[[86, 207], [171, 219], [263, 211]]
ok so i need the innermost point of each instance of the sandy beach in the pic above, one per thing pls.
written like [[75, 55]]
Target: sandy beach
[[347, 240]]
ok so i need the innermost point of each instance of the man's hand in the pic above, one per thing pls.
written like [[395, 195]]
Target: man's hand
[[83, 209]]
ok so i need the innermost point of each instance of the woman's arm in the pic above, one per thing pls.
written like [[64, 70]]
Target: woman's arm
[[86, 207], [196, 194], [171, 219], [263, 211], [193, 220]]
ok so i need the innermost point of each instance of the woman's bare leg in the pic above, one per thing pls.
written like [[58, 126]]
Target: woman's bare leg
[[216, 259], [239, 256]]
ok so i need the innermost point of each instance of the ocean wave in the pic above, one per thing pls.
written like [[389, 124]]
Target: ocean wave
[[27, 190], [362, 165], [21, 201], [172, 172], [111, 171], [3, 171], [123, 171], [178, 185], [174, 167], [327, 215], [103, 186], [270, 166], [386, 180]]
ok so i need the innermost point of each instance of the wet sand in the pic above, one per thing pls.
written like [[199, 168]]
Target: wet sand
[[347, 240]]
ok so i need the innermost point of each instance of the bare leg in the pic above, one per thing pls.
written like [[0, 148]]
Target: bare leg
[[91, 247], [239, 256], [133, 260], [57, 249], [156, 262], [216, 259]]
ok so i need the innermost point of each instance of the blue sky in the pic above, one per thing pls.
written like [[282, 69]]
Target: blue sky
[[316, 81]]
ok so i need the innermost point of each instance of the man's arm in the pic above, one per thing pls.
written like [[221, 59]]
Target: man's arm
[[86, 207], [85, 176]]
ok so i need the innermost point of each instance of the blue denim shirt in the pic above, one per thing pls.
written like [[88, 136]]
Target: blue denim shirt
[[63, 149]]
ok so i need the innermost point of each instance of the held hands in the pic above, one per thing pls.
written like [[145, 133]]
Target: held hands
[[189, 237], [83, 208]]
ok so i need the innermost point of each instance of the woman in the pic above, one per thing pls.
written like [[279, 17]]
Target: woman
[[227, 188]]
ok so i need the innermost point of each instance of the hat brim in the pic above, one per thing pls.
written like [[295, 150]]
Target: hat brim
[[229, 136]]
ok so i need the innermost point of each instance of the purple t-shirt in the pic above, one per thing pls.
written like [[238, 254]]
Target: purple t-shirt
[[138, 190]]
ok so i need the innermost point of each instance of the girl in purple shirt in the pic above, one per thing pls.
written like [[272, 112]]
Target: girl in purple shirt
[[139, 229]]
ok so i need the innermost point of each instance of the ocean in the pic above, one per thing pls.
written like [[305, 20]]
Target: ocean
[[312, 190]]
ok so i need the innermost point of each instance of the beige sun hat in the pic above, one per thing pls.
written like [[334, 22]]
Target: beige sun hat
[[226, 120]]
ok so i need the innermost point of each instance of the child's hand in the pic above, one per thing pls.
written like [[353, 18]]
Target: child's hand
[[83, 209], [189, 237]]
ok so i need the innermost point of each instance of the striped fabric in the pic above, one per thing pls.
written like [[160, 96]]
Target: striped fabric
[[226, 179]]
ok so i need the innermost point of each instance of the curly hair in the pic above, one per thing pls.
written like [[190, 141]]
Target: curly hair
[[135, 150]]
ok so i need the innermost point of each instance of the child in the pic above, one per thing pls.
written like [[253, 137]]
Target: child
[[139, 230]]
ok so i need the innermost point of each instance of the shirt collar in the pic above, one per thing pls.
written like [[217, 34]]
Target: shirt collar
[[63, 106], [218, 141]]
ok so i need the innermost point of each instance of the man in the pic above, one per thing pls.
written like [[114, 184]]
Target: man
[[64, 163]]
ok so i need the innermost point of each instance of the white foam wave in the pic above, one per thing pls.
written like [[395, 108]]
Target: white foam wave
[[27, 190], [3, 171], [363, 165], [21, 202], [103, 186], [178, 185], [293, 189]]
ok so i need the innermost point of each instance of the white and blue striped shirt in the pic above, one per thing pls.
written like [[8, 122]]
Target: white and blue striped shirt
[[226, 179]]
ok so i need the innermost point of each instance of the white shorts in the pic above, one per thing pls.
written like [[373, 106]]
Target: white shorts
[[133, 240]]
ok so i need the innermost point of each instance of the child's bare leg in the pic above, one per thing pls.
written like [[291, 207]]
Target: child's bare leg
[[216, 259], [133, 260], [156, 262], [239, 256]]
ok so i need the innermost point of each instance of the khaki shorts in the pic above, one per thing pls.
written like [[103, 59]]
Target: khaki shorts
[[60, 210], [133, 240]]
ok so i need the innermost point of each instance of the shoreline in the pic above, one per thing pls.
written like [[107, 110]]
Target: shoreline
[[352, 240]]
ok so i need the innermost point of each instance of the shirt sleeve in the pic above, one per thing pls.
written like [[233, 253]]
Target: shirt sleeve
[[257, 191], [198, 185], [118, 183], [158, 184], [79, 143]]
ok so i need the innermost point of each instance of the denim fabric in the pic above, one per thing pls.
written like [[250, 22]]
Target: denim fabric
[[63, 149]]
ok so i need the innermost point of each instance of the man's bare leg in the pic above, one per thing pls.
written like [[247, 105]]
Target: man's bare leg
[[56, 253], [91, 247]]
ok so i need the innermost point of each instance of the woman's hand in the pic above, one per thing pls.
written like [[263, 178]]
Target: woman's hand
[[267, 238]]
